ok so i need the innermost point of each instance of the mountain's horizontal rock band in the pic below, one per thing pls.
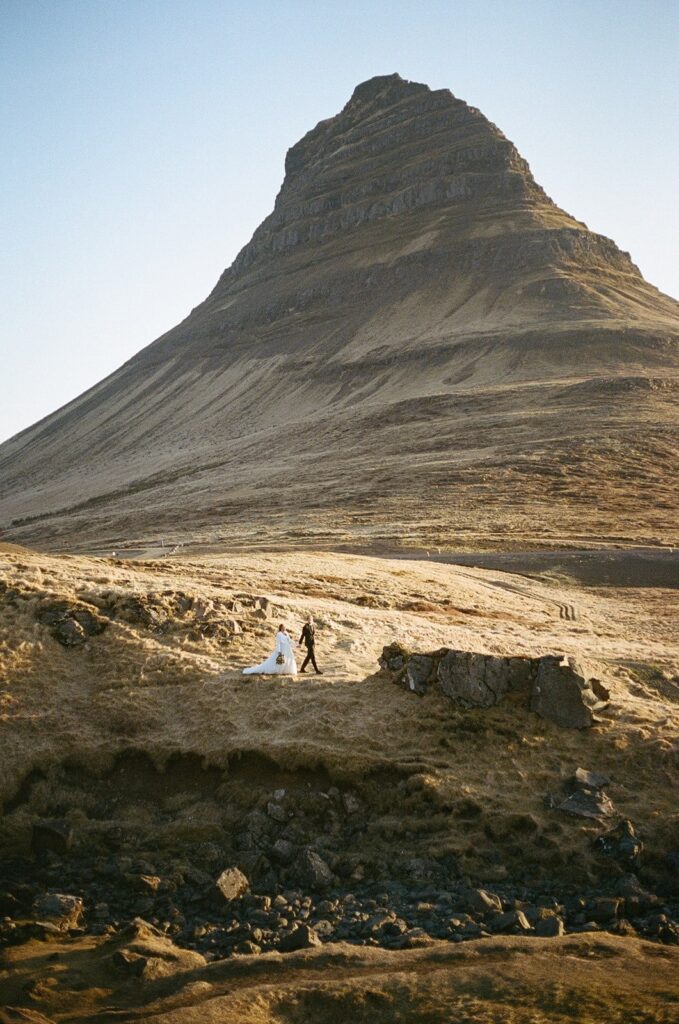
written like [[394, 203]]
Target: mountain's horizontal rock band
[[433, 417]]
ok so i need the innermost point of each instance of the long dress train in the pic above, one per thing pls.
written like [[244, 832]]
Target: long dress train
[[270, 666]]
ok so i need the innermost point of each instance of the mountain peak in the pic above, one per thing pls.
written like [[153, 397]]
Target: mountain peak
[[385, 87], [416, 325]]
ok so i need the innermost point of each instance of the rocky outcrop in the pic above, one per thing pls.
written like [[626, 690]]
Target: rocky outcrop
[[554, 687]]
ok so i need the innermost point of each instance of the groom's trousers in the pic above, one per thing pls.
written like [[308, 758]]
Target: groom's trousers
[[310, 657]]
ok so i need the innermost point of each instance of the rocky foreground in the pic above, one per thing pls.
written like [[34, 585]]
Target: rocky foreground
[[383, 840]]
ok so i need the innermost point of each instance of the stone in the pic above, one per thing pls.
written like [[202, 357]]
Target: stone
[[511, 920], [314, 871], [69, 633], [51, 836], [621, 843], [231, 884], [668, 933], [479, 901], [600, 689], [550, 927], [276, 811], [473, 680], [301, 936], [584, 779], [63, 911], [605, 909], [146, 883], [351, 803], [91, 624], [418, 672], [562, 694], [283, 851], [588, 803], [413, 938], [248, 948]]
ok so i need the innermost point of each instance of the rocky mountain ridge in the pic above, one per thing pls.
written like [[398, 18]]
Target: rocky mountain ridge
[[414, 299]]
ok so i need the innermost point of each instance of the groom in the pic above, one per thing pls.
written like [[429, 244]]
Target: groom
[[308, 638]]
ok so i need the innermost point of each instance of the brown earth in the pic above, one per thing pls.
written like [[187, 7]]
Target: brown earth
[[501, 981]]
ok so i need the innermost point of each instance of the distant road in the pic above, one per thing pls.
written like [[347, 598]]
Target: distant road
[[633, 567]]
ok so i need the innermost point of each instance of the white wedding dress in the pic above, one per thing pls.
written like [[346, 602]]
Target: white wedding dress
[[270, 666]]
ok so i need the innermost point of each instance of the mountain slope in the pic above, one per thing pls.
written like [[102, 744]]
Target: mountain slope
[[416, 347]]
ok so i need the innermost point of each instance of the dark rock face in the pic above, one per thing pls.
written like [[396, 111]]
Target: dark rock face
[[555, 688], [562, 694]]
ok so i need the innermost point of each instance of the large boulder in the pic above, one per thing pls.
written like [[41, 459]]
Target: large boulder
[[473, 680], [562, 693], [556, 688]]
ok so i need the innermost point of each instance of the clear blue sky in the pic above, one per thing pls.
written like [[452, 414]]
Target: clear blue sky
[[144, 140]]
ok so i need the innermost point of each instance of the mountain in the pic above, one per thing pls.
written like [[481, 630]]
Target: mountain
[[417, 347]]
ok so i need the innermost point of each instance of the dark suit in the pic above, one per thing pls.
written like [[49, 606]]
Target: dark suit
[[308, 638]]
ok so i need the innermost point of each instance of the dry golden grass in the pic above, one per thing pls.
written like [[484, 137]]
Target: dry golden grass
[[172, 692]]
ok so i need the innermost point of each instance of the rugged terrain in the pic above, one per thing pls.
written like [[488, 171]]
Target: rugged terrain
[[266, 850], [417, 348]]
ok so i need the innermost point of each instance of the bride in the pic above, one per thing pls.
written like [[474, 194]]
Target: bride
[[281, 661]]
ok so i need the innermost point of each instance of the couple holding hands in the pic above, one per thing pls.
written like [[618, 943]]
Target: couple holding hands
[[282, 659]]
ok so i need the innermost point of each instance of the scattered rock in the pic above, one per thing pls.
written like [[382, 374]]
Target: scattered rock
[[69, 633], [590, 780], [550, 927], [511, 921], [588, 803], [283, 851], [276, 811], [351, 803], [248, 948], [232, 884], [605, 909], [414, 938], [302, 936], [313, 870], [482, 902], [621, 843], [58, 909]]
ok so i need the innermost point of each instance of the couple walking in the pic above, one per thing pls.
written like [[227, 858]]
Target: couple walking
[[282, 660]]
